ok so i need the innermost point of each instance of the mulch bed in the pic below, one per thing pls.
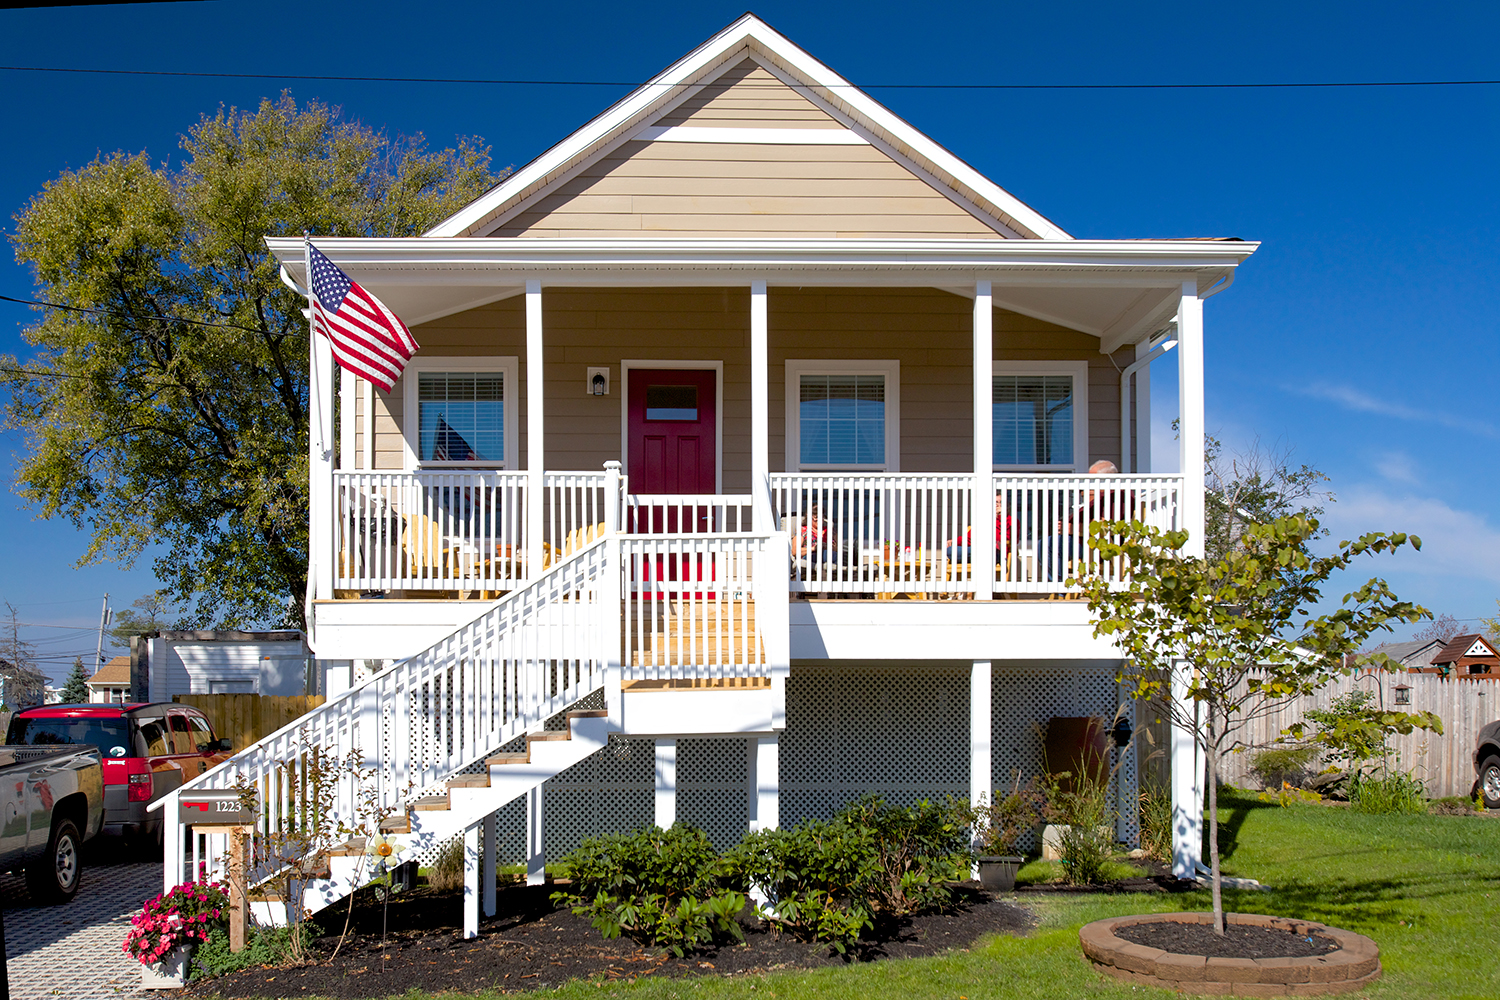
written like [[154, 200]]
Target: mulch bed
[[1157, 878], [532, 945], [1239, 940]]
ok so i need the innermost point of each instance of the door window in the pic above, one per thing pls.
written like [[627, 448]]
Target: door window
[[182, 737], [154, 735], [203, 734]]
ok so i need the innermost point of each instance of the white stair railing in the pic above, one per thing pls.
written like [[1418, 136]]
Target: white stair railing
[[540, 649]]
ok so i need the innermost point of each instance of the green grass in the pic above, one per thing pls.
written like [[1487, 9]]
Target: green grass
[[1426, 888]]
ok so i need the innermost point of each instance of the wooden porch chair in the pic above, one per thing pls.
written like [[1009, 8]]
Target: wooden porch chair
[[433, 555]]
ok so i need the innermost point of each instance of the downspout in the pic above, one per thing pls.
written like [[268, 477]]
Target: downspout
[[1127, 446]]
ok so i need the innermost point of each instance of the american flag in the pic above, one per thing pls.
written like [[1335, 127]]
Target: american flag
[[368, 339], [451, 446]]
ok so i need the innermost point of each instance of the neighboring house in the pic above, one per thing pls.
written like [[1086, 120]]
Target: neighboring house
[[227, 662], [1466, 656], [111, 683], [1415, 655], [708, 397], [21, 687]]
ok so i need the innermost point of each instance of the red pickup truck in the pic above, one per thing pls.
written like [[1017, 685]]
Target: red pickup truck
[[148, 749]]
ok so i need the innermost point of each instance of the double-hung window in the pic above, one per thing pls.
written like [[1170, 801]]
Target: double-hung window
[[461, 412], [1039, 416], [843, 415]]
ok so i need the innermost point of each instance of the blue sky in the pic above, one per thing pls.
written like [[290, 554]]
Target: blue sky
[[1363, 334]]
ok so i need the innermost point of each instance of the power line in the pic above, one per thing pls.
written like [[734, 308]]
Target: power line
[[121, 315], [1264, 85]]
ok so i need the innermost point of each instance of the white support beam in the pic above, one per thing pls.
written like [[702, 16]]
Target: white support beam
[[472, 880], [982, 517], [367, 457], [346, 419], [666, 783], [1141, 459], [760, 407], [1191, 425], [536, 853], [764, 785], [1187, 796], [491, 824], [981, 680], [536, 452], [320, 451]]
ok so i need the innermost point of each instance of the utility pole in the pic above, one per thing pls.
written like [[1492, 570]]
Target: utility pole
[[103, 621]]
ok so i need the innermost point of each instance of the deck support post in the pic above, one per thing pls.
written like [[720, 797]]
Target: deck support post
[[982, 516], [487, 868], [981, 756], [536, 856], [666, 783], [472, 879], [535, 437], [764, 784], [1187, 792]]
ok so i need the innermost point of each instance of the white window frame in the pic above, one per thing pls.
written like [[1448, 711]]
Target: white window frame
[[796, 368], [411, 425], [1079, 372]]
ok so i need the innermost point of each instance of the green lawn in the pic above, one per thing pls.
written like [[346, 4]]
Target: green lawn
[[1427, 889]]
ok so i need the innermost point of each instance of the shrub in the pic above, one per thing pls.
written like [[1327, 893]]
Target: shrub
[[1278, 766], [1087, 840], [1290, 795], [662, 887], [447, 870], [1000, 825], [264, 946], [918, 850], [1156, 823], [1392, 793], [185, 915]]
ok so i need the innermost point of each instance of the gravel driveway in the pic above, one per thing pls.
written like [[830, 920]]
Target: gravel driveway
[[73, 950]]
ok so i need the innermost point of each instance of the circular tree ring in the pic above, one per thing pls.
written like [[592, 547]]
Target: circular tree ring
[[1353, 966]]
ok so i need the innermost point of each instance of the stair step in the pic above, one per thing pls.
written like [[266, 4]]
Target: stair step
[[548, 735], [352, 847], [396, 824], [501, 759], [431, 803], [315, 867], [470, 781], [590, 713]]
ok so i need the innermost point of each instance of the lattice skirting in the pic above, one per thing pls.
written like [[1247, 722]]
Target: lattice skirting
[[899, 730]]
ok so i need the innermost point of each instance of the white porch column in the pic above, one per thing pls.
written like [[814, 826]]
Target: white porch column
[[1190, 395], [472, 879], [982, 535], [1187, 798], [763, 789], [1141, 460], [491, 824], [666, 783], [760, 409], [535, 433], [980, 753], [536, 858], [320, 451], [611, 590]]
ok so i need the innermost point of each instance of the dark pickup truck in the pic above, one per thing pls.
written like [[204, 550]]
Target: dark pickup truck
[[51, 801]]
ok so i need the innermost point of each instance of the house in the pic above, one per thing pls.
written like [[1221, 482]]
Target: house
[[1415, 654], [227, 662], [111, 682], [1466, 656], [20, 686], [709, 398]]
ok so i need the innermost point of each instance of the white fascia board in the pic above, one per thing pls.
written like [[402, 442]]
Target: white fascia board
[[749, 32]]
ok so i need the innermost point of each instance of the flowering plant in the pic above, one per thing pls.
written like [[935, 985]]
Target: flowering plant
[[182, 916]]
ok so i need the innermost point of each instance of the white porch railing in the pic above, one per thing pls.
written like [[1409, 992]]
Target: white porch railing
[[879, 533], [538, 650], [688, 514]]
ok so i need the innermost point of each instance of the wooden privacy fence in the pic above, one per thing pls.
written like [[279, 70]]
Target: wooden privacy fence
[[246, 718], [1444, 763]]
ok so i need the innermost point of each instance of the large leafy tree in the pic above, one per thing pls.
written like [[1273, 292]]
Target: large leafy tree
[[1240, 624], [167, 402]]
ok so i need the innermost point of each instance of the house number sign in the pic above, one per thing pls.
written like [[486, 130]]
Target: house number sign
[[213, 808]]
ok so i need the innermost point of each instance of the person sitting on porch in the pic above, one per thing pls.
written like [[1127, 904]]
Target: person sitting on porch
[[959, 551], [1057, 552], [814, 539]]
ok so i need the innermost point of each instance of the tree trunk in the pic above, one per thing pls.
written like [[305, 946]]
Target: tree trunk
[[1211, 745]]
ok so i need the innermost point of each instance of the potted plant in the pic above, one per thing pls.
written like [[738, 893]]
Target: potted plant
[[162, 936], [998, 827]]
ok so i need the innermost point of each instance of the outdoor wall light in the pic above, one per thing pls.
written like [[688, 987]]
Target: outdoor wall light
[[1122, 733], [598, 382]]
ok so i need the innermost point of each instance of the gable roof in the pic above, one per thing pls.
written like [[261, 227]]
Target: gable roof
[[1464, 646], [1415, 653], [116, 671], [646, 114]]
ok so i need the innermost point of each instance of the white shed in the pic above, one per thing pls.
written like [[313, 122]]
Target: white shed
[[271, 663]]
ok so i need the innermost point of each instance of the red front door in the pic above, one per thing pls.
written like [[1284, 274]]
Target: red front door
[[673, 431]]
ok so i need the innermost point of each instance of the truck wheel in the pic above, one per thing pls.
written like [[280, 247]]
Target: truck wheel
[[1489, 781], [54, 877]]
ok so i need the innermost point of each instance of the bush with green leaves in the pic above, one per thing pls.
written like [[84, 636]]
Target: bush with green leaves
[[1283, 765], [1156, 823], [1086, 842], [263, 946], [661, 887], [829, 880], [1392, 793]]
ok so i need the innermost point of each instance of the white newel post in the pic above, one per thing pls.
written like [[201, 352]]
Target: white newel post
[[1187, 799], [536, 381], [760, 433], [320, 446], [666, 783], [536, 855], [982, 516], [1190, 381]]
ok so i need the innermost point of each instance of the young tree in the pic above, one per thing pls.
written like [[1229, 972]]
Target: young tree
[[1234, 632], [1253, 487], [23, 683], [76, 689], [166, 402]]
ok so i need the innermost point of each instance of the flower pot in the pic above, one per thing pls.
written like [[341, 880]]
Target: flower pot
[[170, 973], [999, 872]]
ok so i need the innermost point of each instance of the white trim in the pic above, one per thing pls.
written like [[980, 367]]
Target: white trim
[[1079, 371], [752, 136], [718, 369], [506, 365], [891, 370], [346, 419], [747, 35]]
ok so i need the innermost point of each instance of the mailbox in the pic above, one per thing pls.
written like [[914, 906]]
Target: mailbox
[[213, 807]]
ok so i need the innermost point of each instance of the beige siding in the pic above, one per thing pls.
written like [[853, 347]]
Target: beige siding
[[928, 331], [749, 189]]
